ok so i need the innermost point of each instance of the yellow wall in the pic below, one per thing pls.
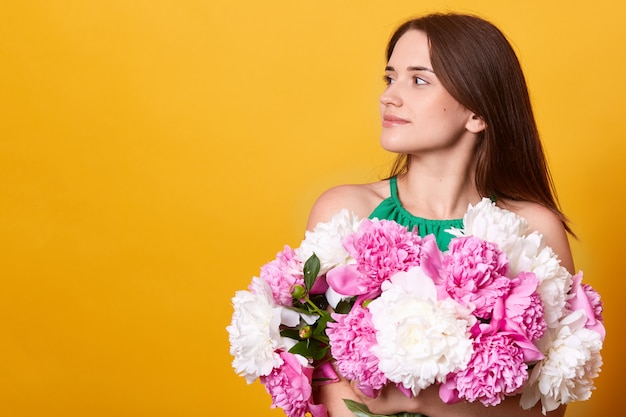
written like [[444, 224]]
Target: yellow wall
[[153, 154]]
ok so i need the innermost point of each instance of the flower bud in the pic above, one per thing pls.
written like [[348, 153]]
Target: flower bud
[[305, 332], [298, 292]]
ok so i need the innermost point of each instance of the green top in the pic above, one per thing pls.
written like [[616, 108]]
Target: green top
[[391, 209]]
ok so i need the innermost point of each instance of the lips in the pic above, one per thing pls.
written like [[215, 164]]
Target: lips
[[390, 120]]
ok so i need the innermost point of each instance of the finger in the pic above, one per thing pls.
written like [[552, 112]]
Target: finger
[[355, 387]]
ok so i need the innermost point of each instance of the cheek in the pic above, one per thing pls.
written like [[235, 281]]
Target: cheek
[[452, 110]]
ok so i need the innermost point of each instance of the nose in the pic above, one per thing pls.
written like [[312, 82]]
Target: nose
[[390, 96]]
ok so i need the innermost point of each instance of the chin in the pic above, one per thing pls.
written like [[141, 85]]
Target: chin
[[394, 146]]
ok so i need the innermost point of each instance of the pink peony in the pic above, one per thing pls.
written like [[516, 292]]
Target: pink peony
[[584, 297], [497, 369], [282, 274], [381, 248], [474, 274], [351, 338], [594, 299], [290, 387], [523, 309]]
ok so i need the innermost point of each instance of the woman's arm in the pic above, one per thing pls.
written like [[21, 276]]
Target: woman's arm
[[392, 400], [361, 199]]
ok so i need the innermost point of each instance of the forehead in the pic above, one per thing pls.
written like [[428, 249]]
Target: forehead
[[413, 48]]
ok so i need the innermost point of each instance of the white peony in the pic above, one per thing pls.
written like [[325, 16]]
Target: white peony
[[489, 222], [555, 282], [522, 253], [333, 297], [572, 360], [254, 331], [326, 241], [420, 339]]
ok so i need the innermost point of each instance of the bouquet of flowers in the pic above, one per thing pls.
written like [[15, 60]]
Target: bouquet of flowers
[[494, 315]]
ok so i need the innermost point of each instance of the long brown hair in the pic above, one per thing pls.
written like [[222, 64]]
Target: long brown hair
[[477, 65]]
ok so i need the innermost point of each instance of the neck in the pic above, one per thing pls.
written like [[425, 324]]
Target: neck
[[437, 189]]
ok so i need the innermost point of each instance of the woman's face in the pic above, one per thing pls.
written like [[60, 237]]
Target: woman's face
[[418, 114]]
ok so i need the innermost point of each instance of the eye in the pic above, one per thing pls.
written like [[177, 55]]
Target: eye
[[388, 80], [419, 81]]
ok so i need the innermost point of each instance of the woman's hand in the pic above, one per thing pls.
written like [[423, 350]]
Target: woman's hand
[[391, 400]]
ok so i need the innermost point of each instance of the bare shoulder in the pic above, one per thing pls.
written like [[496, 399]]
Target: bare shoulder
[[361, 199], [539, 218], [545, 221]]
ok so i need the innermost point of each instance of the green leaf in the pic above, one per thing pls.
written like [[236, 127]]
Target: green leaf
[[361, 410], [311, 270], [320, 326], [290, 333], [345, 306], [310, 348]]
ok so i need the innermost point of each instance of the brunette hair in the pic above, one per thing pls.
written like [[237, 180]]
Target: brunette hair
[[477, 65]]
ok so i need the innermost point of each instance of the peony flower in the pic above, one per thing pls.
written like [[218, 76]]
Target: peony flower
[[553, 293], [584, 297], [594, 300], [572, 360], [290, 387], [474, 274], [282, 274], [420, 339], [523, 252], [489, 222], [554, 280], [526, 251], [326, 241], [497, 369], [254, 331], [352, 337], [333, 297], [523, 309], [380, 248]]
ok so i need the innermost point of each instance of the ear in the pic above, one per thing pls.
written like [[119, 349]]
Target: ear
[[475, 123]]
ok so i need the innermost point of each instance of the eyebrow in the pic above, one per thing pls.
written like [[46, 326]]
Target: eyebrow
[[417, 68]]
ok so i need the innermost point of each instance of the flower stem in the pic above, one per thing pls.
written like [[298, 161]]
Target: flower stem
[[315, 308]]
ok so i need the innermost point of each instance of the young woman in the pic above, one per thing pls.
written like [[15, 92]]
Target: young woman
[[457, 112]]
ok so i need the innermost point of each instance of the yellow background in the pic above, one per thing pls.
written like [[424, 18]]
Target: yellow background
[[153, 154]]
